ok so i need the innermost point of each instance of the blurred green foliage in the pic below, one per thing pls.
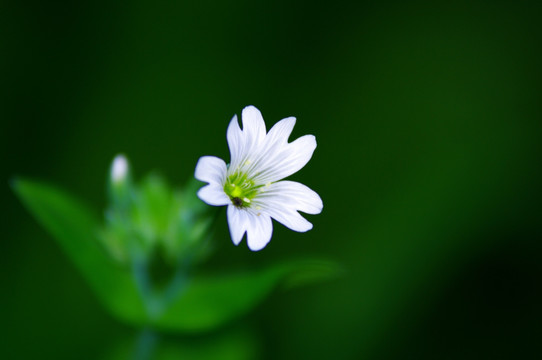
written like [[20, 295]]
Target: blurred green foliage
[[234, 344], [195, 302], [427, 116], [150, 219]]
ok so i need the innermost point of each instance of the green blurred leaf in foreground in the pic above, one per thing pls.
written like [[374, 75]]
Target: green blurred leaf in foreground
[[74, 227], [232, 343], [203, 303]]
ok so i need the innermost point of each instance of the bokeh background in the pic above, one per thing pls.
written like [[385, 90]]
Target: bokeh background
[[428, 121]]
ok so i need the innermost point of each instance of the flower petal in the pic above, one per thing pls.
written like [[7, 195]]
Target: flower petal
[[280, 132], [285, 160], [258, 227], [236, 142], [213, 194], [283, 200], [293, 195], [246, 144], [211, 169], [262, 154], [275, 141], [289, 218], [237, 222], [259, 230], [253, 125]]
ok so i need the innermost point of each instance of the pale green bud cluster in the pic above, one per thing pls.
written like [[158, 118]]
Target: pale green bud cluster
[[149, 219]]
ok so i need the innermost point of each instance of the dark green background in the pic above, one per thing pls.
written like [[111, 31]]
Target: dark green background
[[428, 122]]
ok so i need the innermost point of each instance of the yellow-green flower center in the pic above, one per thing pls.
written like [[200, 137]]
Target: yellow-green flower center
[[240, 189]]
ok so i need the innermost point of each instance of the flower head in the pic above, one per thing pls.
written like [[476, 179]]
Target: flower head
[[251, 184]]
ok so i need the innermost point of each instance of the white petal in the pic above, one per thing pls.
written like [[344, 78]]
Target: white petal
[[237, 222], [280, 132], [253, 125], [259, 230], [263, 155], [283, 200], [285, 160], [236, 142], [293, 195], [289, 218], [213, 194], [211, 169]]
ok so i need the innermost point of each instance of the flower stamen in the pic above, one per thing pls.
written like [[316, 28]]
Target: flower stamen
[[240, 189]]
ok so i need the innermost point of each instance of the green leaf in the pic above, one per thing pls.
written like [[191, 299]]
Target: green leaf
[[74, 228], [233, 343], [214, 300], [201, 303]]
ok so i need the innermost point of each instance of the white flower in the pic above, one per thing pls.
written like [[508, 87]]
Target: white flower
[[250, 184]]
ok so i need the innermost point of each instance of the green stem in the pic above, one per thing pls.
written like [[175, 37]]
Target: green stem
[[146, 343], [156, 303], [140, 273]]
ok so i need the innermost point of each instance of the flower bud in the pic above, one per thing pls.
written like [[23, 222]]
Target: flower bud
[[119, 169], [120, 184]]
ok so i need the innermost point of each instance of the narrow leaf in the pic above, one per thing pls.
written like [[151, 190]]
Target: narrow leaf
[[74, 228], [212, 301]]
